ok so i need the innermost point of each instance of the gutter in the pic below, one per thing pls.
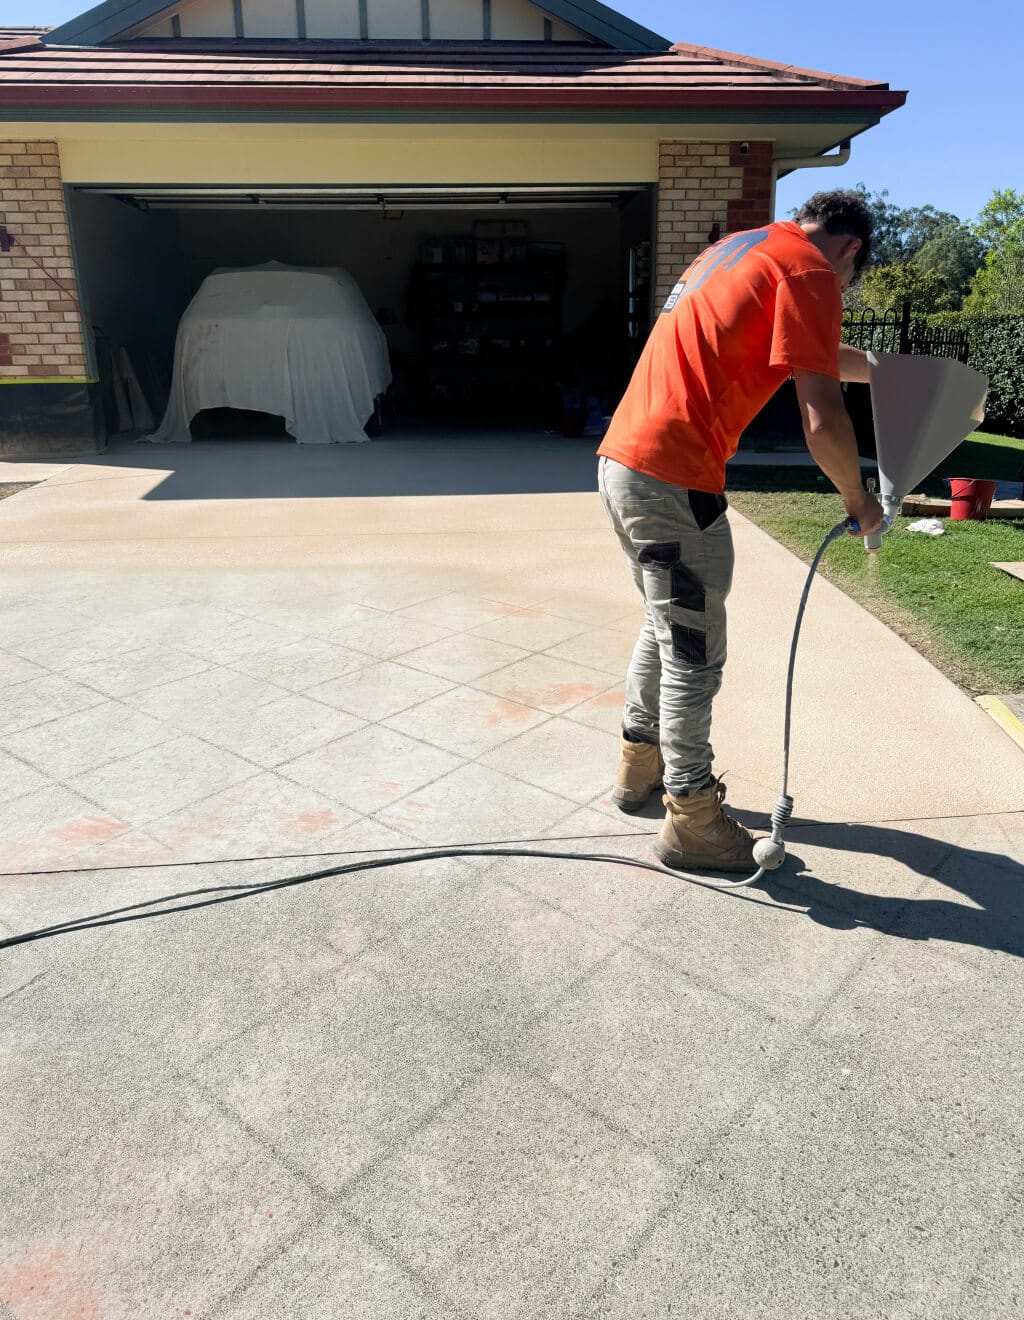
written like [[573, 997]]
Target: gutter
[[32, 94]]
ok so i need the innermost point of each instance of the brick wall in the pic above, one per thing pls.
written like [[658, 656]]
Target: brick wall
[[40, 325], [705, 191]]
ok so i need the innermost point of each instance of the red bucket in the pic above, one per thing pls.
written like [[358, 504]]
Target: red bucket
[[972, 498]]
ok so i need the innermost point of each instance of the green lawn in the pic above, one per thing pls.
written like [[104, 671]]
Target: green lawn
[[940, 593]]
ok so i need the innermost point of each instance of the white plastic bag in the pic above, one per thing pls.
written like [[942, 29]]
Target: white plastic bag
[[929, 526]]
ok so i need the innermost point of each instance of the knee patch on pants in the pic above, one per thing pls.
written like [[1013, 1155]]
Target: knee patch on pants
[[689, 644]]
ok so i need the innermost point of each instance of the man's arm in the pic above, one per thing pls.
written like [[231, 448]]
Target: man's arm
[[853, 365], [829, 434]]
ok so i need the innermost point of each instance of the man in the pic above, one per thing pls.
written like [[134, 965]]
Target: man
[[751, 311]]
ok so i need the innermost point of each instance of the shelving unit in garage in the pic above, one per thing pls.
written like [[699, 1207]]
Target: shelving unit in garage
[[488, 311]]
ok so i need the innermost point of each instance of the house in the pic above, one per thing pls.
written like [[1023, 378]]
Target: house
[[515, 186]]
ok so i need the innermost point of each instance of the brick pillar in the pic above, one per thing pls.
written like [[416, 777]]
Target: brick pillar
[[705, 190], [753, 206], [40, 324]]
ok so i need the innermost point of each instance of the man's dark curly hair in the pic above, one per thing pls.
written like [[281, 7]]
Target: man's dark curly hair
[[842, 212]]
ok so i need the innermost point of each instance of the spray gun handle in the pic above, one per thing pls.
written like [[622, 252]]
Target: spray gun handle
[[873, 540]]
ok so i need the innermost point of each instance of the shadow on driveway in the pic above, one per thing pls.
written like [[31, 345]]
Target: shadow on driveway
[[985, 909], [422, 463]]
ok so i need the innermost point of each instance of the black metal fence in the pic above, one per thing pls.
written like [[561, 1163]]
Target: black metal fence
[[899, 331], [778, 425]]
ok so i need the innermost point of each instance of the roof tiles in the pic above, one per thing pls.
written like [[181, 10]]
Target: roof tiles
[[273, 72]]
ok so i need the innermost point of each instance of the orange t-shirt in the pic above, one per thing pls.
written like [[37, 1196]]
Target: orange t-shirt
[[750, 311]]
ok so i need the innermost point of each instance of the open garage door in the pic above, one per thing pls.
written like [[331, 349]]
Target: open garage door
[[523, 305]]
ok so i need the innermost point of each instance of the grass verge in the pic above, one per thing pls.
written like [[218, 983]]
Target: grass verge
[[939, 593]]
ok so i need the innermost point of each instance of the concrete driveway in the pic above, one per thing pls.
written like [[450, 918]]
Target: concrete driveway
[[486, 1087]]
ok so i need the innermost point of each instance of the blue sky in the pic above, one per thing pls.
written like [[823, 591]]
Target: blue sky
[[953, 143]]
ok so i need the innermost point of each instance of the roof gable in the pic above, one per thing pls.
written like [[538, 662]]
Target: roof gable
[[497, 20]]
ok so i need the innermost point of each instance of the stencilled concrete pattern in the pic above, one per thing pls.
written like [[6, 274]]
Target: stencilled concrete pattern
[[505, 1087]]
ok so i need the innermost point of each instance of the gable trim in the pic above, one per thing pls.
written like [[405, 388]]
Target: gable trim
[[104, 21], [112, 18], [607, 24]]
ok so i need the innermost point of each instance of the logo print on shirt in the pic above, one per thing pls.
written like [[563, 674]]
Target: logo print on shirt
[[674, 296], [723, 256]]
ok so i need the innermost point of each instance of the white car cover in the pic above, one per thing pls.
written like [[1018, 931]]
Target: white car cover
[[296, 342]]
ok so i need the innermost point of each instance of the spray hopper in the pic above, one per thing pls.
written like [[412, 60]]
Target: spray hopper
[[923, 407]]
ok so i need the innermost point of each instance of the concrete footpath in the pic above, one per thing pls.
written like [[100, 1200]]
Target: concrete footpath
[[486, 1087]]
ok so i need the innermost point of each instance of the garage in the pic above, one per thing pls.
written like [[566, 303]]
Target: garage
[[511, 187], [511, 305]]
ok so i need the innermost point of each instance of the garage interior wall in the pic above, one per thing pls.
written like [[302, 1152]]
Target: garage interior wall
[[134, 279]]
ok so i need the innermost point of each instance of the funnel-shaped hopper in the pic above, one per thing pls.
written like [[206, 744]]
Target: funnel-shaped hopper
[[923, 408]]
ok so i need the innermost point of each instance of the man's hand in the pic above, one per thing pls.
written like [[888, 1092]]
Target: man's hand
[[853, 365], [866, 509]]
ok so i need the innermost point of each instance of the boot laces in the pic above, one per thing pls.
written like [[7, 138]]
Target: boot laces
[[727, 828]]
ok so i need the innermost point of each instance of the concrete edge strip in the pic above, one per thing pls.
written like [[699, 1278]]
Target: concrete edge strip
[[1004, 717]]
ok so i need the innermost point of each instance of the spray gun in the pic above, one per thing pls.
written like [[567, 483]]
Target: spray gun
[[891, 506]]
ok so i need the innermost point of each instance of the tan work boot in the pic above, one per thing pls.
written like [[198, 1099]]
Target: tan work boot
[[640, 770], [696, 833]]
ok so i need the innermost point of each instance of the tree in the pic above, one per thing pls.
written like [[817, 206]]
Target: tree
[[1001, 220], [998, 288], [900, 232], [886, 288], [955, 254], [935, 262]]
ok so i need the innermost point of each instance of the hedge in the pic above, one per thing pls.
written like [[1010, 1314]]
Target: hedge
[[996, 345]]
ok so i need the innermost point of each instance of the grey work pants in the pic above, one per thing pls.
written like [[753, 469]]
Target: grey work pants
[[679, 546]]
